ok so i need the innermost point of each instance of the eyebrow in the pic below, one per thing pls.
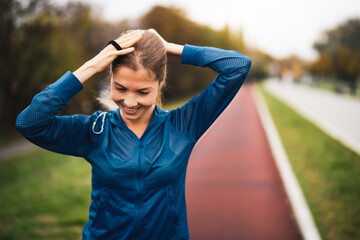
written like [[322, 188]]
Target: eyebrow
[[142, 89]]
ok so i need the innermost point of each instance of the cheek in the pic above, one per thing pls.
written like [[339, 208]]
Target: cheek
[[147, 100], [116, 96]]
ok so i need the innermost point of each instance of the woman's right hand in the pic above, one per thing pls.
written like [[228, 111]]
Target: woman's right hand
[[103, 59]]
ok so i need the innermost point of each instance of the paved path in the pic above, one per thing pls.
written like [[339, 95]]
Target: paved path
[[16, 148], [233, 187], [337, 115]]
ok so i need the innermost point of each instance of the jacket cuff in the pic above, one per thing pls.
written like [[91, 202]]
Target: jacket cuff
[[67, 86], [193, 55]]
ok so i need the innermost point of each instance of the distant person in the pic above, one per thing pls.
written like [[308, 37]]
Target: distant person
[[138, 152]]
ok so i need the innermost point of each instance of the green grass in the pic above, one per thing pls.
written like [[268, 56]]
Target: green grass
[[327, 171], [43, 195]]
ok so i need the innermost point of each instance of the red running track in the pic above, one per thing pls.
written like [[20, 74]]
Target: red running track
[[233, 188]]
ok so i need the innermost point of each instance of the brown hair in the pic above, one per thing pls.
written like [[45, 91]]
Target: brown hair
[[149, 54]]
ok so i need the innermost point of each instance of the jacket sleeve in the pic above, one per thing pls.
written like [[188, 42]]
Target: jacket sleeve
[[62, 134], [197, 115]]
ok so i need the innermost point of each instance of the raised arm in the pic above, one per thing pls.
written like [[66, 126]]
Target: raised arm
[[196, 116], [71, 135]]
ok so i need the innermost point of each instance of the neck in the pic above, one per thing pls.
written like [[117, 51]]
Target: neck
[[138, 126]]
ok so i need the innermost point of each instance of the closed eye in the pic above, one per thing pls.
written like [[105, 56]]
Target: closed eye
[[121, 89], [143, 93]]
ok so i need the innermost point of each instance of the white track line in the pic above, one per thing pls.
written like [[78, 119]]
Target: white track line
[[292, 187]]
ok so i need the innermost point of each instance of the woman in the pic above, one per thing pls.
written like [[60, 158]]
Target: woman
[[138, 152]]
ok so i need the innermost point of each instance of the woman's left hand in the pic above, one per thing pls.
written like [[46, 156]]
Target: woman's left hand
[[171, 48]]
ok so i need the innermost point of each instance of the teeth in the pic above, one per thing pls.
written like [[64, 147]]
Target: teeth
[[132, 110]]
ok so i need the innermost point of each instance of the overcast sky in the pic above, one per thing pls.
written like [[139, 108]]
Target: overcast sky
[[278, 27]]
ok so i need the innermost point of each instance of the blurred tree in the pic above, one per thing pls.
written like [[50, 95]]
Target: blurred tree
[[291, 68], [323, 65], [261, 64], [13, 15], [339, 53], [41, 41]]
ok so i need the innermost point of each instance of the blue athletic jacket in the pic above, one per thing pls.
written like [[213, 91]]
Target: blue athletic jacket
[[138, 185]]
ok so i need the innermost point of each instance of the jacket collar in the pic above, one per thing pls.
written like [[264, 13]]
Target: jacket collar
[[154, 122]]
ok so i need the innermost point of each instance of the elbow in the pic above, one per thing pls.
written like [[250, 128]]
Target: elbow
[[20, 126], [242, 66], [20, 123], [247, 63], [242, 63], [27, 128]]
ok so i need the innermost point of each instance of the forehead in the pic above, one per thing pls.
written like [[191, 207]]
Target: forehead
[[142, 78]]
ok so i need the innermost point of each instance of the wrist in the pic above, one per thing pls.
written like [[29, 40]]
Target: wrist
[[92, 67], [86, 71], [174, 49]]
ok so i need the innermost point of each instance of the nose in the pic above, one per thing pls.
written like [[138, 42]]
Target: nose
[[130, 102]]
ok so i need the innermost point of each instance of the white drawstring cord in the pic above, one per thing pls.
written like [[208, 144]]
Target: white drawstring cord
[[102, 123]]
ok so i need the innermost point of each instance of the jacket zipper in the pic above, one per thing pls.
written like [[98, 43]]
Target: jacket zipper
[[139, 194]]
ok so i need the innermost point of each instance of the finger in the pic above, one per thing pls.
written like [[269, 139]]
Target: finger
[[152, 30], [133, 38], [130, 42], [125, 51], [129, 35], [157, 34], [125, 43]]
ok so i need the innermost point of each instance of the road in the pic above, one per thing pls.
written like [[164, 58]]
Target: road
[[336, 114]]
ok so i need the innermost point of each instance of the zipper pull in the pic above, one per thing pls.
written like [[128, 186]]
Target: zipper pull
[[103, 115]]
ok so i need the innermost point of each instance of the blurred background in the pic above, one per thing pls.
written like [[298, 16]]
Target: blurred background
[[312, 43]]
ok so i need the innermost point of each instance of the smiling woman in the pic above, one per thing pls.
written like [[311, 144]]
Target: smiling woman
[[134, 92], [138, 151], [137, 79]]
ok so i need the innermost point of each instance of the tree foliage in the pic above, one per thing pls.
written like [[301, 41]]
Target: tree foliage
[[40, 41], [339, 53]]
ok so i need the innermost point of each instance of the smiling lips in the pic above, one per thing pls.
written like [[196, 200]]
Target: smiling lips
[[131, 111]]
